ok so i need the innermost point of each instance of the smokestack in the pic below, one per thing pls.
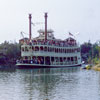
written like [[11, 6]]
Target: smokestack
[[30, 26], [46, 26]]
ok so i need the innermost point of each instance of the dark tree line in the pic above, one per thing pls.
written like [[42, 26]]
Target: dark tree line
[[9, 52], [90, 52]]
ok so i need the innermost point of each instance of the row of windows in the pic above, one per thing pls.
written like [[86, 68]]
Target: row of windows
[[50, 49], [52, 58], [49, 60]]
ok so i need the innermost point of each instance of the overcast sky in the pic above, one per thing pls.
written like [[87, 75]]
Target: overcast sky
[[64, 16]]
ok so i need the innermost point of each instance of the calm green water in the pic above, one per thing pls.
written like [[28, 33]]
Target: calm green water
[[50, 84]]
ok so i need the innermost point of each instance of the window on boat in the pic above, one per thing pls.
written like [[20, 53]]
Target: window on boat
[[64, 58], [73, 50], [22, 49], [61, 60], [26, 49], [48, 49], [47, 60], [32, 48], [29, 58], [75, 58], [61, 50], [52, 59], [56, 59], [26, 57], [39, 60], [45, 48], [57, 50], [65, 51], [36, 48], [71, 58], [41, 48], [29, 47], [78, 49], [53, 49], [69, 50], [23, 58], [68, 58]]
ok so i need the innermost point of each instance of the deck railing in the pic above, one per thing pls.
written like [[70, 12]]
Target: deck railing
[[56, 45], [52, 63]]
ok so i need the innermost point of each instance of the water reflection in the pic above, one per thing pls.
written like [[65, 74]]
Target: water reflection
[[43, 83], [50, 84]]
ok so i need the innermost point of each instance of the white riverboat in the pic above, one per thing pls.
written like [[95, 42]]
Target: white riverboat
[[47, 51]]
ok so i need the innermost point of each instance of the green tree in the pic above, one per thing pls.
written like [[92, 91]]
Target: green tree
[[10, 50]]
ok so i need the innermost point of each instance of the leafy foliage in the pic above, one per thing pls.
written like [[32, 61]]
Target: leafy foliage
[[90, 52], [9, 51]]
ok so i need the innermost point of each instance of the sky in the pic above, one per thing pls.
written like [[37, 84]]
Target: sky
[[64, 16]]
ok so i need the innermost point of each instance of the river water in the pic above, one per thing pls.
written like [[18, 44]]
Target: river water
[[50, 84]]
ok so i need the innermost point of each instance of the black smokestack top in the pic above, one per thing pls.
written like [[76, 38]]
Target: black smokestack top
[[30, 26], [46, 26]]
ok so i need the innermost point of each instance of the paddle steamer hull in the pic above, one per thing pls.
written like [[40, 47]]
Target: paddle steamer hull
[[21, 66]]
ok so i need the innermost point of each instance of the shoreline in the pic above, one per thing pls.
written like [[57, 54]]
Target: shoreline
[[96, 67]]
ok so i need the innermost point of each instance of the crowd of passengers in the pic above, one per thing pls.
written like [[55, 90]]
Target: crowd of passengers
[[34, 61], [53, 42], [41, 61]]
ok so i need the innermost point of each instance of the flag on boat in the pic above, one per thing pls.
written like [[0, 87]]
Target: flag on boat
[[70, 34]]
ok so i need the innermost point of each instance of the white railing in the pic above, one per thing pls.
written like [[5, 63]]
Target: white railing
[[52, 63], [48, 44], [64, 63]]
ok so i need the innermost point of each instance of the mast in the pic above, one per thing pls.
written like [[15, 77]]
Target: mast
[[46, 26], [30, 34]]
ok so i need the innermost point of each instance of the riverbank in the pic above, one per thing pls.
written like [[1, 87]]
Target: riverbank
[[96, 67], [93, 67], [7, 66]]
